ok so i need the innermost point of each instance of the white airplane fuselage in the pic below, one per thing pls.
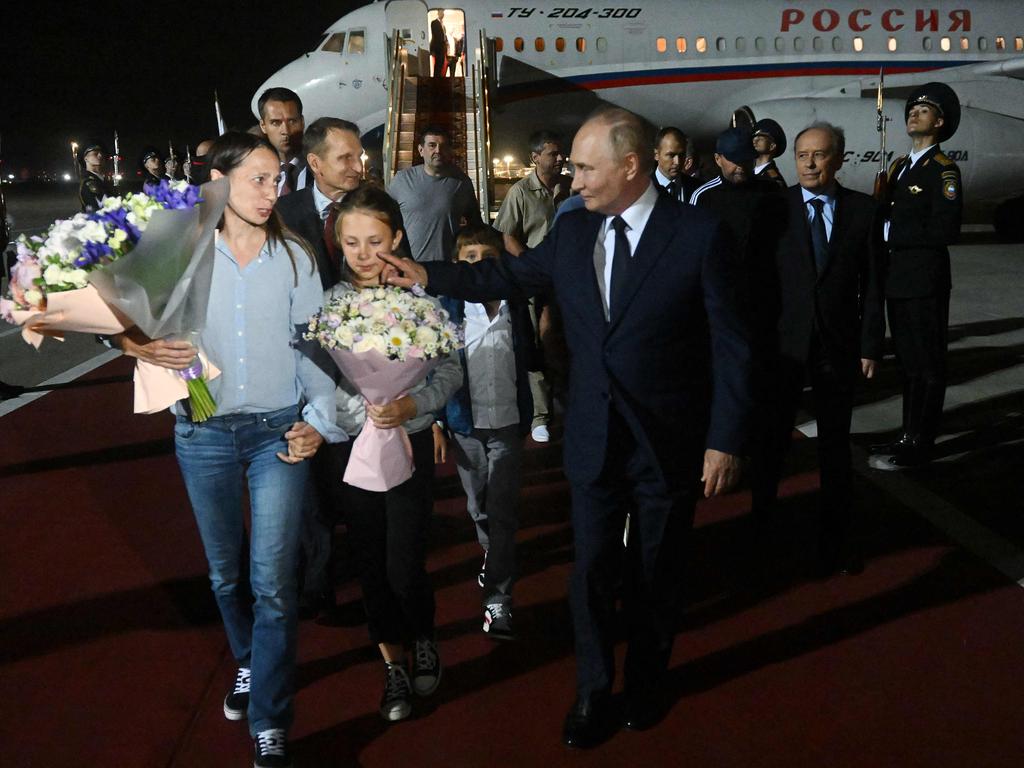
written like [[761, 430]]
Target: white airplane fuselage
[[693, 64]]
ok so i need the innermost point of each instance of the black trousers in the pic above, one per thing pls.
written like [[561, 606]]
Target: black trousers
[[920, 330], [660, 520], [388, 532], [832, 402]]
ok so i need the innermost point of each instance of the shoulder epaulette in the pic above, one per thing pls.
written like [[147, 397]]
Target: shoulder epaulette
[[941, 158], [896, 163]]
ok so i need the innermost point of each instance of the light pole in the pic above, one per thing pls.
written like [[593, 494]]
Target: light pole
[[508, 163], [74, 158]]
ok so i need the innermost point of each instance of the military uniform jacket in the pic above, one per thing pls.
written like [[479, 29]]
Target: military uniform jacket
[[93, 189], [771, 173], [925, 209]]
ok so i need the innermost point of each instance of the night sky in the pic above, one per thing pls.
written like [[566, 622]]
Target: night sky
[[148, 69]]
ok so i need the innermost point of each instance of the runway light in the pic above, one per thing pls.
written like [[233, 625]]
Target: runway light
[[67, 177], [10, 176]]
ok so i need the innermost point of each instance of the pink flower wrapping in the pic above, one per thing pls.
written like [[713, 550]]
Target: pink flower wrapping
[[82, 311], [381, 458]]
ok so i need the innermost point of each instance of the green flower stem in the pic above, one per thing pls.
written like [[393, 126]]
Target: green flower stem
[[200, 400]]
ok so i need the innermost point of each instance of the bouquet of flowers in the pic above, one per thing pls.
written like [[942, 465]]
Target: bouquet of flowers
[[383, 340], [98, 273]]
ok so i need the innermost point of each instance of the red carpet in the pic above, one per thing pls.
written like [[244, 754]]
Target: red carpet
[[111, 652]]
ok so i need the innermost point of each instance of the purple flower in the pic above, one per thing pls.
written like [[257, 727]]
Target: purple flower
[[92, 253], [172, 199]]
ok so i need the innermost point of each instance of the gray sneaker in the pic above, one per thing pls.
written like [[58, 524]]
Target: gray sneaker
[[426, 667], [395, 704]]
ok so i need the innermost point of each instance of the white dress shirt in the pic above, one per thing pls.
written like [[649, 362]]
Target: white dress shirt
[[636, 217], [491, 367]]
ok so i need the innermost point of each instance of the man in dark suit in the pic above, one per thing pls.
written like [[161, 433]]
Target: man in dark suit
[[769, 143], [658, 384], [439, 45], [94, 186], [925, 210], [830, 332], [670, 145], [333, 156]]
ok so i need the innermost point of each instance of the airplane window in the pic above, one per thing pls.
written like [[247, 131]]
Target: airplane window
[[518, 43], [837, 44], [780, 44], [965, 44], [661, 44], [858, 44], [680, 45], [322, 39], [1018, 44], [818, 44], [602, 44], [702, 45], [892, 43], [560, 44], [1000, 43], [798, 43], [741, 44], [581, 44], [335, 43], [982, 43], [720, 44], [538, 44], [944, 44], [499, 44], [356, 41], [759, 44], [927, 43]]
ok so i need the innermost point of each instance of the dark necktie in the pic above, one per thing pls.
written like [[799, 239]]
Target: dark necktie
[[819, 236], [289, 182], [332, 246], [673, 190], [620, 264]]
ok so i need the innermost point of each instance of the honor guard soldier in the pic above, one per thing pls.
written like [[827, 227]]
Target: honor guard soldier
[[94, 186], [769, 143], [925, 208], [151, 166]]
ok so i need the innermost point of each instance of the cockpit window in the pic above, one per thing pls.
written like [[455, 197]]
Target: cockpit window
[[320, 43], [335, 43], [356, 41]]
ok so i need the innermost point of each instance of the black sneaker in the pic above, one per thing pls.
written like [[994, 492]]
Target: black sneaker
[[426, 669], [498, 621], [236, 703], [271, 747], [395, 704]]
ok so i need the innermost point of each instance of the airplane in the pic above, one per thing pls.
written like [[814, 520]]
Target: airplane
[[704, 65]]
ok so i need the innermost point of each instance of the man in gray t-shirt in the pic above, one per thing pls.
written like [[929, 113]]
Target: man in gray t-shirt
[[437, 199]]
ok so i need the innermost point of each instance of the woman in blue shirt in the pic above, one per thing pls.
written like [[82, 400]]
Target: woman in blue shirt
[[264, 286]]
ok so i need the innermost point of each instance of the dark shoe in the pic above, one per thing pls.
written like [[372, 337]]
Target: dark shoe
[[426, 667], [236, 703], [313, 605], [271, 747], [498, 622], [888, 449], [396, 702], [589, 722], [644, 709], [7, 391], [913, 455]]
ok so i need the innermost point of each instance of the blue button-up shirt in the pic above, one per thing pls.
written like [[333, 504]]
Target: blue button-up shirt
[[254, 314], [829, 210]]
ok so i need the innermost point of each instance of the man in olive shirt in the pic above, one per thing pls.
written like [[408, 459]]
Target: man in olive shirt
[[524, 219]]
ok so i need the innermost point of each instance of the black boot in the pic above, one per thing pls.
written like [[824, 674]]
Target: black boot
[[926, 417]]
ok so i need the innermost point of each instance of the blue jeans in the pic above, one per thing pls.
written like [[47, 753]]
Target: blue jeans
[[260, 614]]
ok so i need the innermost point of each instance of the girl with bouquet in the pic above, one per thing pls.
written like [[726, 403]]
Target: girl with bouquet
[[264, 286], [389, 528]]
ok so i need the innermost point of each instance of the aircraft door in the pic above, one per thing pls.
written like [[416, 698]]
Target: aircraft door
[[409, 17]]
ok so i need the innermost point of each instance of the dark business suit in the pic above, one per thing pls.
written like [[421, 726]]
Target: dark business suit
[[299, 213], [438, 47], [827, 322], [685, 186], [649, 389]]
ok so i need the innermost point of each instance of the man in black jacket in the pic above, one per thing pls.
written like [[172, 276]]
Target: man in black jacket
[[333, 156], [670, 148], [830, 332], [925, 209]]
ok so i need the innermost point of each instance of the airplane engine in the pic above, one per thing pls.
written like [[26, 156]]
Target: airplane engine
[[988, 147]]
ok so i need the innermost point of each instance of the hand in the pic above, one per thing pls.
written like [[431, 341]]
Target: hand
[[867, 367], [303, 442], [176, 355], [440, 444], [411, 272], [393, 414], [721, 471]]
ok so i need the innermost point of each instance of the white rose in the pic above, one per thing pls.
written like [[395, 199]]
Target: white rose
[[77, 277], [370, 343], [53, 275], [426, 336]]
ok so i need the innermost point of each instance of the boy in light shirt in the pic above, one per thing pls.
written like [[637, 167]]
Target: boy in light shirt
[[489, 417]]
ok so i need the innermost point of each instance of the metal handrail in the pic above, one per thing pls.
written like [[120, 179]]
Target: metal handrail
[[396, 96]]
